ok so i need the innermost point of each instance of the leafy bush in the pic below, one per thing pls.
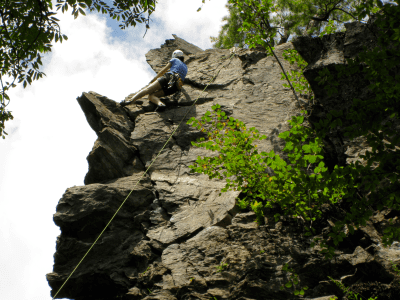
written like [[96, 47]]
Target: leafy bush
[[347, 291], [302, 184], [293, 281]]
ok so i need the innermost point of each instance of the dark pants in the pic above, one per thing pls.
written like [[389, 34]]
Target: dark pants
[[163, 80]]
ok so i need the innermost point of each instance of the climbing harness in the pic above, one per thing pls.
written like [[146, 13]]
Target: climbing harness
[[141, 177], [175, 79]]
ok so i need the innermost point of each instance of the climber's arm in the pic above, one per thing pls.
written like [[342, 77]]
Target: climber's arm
[[162, 72]]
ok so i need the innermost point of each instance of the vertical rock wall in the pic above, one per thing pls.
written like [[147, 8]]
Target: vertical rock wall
[[174, 229]]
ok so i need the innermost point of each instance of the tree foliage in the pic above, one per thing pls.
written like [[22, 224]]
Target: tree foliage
[[301, 184], [289, 19], [310, 17], [229, 36], [28, 28]]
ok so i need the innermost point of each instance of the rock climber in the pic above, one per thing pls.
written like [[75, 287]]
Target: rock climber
[[166, 84]]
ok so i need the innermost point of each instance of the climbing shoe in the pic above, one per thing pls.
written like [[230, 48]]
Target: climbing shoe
[[160, 105]]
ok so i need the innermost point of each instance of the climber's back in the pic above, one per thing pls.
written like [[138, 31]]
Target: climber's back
[[178, 66]]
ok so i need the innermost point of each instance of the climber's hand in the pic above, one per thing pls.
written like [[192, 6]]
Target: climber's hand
[[126, 102], [129, 97]]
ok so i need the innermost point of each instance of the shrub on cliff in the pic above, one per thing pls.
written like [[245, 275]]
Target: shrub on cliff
[[303, 183]]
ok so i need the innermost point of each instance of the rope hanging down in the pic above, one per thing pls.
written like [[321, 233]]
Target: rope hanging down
[[141, 177]]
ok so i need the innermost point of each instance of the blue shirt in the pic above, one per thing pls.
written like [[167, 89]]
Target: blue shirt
[[178, 67]]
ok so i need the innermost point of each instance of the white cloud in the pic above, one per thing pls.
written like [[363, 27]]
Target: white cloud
[[49, 139], [181, 18]]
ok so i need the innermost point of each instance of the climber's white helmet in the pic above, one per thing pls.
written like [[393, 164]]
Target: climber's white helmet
[[177, 53]]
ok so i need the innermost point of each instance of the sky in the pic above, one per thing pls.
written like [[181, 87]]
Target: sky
[[49, 139]]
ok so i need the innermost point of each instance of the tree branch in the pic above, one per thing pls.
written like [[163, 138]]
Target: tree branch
[[347, 13]]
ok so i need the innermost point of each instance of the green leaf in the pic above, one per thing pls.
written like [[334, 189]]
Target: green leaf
[[284, 135]]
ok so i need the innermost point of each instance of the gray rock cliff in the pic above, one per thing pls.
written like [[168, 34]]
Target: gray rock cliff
[[175, 228]]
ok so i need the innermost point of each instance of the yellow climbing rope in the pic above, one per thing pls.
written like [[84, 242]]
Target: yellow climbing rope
[[141, 177]]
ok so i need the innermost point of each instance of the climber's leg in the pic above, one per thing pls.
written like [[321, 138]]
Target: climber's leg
[[154, 98], [155, 86]]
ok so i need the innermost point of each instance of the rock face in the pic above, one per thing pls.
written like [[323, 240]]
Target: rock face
[[329, 52], [113, 155], [158, 58], [175, 228]]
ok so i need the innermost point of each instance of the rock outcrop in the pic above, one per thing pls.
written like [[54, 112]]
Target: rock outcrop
[[175, 228]]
